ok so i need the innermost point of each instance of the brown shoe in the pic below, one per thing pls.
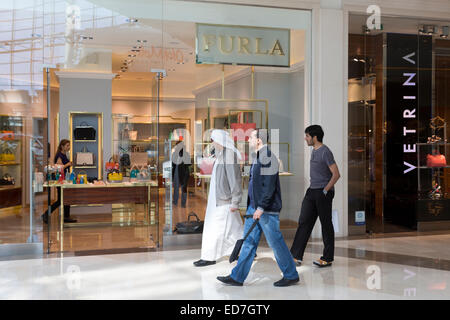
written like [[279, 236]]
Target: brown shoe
[[322, 263]]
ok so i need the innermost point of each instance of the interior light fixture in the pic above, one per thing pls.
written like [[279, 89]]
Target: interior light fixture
[[132, 20], [141, 41]]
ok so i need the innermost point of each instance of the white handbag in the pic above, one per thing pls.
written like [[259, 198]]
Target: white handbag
[[84, 158]]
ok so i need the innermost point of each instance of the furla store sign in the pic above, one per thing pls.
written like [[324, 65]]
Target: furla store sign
[[242, 45]]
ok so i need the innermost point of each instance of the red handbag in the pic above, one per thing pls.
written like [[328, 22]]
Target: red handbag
[[206, 165], [436, 160], [6, 135]]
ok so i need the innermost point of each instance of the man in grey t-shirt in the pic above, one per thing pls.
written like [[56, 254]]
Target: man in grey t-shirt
[[318, 199]]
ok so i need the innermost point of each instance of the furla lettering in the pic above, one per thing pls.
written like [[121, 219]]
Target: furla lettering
[[240, 45]]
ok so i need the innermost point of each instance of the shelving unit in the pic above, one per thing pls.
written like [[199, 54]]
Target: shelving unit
[[95, 146], [11, 195]]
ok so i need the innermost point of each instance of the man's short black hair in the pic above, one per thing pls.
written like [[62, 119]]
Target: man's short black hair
[[262, 134], [315, 131]]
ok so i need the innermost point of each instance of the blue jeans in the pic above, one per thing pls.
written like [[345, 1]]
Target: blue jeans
[[270, 225]]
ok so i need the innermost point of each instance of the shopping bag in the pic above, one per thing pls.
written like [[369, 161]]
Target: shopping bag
[[237, 247]]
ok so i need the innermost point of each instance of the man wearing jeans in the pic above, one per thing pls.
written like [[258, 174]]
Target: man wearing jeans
[[318, 199], [264, 204]]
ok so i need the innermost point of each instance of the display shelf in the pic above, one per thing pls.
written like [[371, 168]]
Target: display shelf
[[94, 120], [11, 164], [11, 195]]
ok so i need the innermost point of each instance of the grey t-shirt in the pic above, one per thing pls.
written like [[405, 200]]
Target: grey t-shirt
[[320, 172]]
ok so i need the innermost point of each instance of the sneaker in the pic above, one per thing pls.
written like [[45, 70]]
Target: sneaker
[[298, 262], [322, 263]]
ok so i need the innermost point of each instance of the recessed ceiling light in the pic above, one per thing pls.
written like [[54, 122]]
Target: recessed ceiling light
[[141, 41], [132, 55], [132, 20], [135, 50], [86, 37]]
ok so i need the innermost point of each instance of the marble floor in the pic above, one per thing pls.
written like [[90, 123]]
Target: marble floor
[[411, 267]]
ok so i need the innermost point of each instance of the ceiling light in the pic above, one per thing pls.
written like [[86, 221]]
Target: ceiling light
[[86, 37], [143, 41], [132, 55], [132, 20], [135, 50], [36, 35], [355, 59]]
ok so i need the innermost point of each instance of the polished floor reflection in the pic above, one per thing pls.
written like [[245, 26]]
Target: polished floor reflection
[[415, 267]]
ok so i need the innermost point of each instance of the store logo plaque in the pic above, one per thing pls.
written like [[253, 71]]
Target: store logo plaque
[[219, 44]]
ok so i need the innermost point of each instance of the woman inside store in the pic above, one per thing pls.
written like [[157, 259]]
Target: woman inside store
[[223, 224], [61, 160]]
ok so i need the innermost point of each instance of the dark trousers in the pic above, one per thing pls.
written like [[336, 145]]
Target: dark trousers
[[176, 187], [57, 204], [315, 204]]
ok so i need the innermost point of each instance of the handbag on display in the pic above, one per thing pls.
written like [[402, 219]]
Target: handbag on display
[[84, 132], [241, 130], [6, 135], [436, 160], [7, 155], [125, 160], [82, 176], [7, 180], [115, 177], [190, 226], [84, 158], [206, 165], [139, 158], [144, 174], [110, 165], [134, 172]]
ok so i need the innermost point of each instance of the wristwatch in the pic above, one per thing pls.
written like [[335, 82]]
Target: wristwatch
[[324, 192]]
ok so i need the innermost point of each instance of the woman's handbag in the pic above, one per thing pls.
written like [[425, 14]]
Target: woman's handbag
[[190, 226], [84, 158], [84, 132], [134, 172], [7, 155], [83, 175], [436, 160], [115, 177], [7, 180], [206, 165], [110, 165], [6, 135]]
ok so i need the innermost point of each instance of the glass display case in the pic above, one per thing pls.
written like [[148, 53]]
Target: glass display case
[[11, 160]]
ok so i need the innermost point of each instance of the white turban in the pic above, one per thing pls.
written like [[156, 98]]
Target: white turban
[[223, 138]]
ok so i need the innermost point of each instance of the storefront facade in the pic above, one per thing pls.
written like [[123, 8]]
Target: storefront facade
[[142, 76]]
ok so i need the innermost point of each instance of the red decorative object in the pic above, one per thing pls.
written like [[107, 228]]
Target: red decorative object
[[436, 160]]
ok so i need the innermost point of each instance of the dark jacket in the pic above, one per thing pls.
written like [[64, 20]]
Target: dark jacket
[[266, 181], [181, 167]]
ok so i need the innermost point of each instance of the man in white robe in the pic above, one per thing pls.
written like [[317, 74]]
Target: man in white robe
[[223, 224]]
